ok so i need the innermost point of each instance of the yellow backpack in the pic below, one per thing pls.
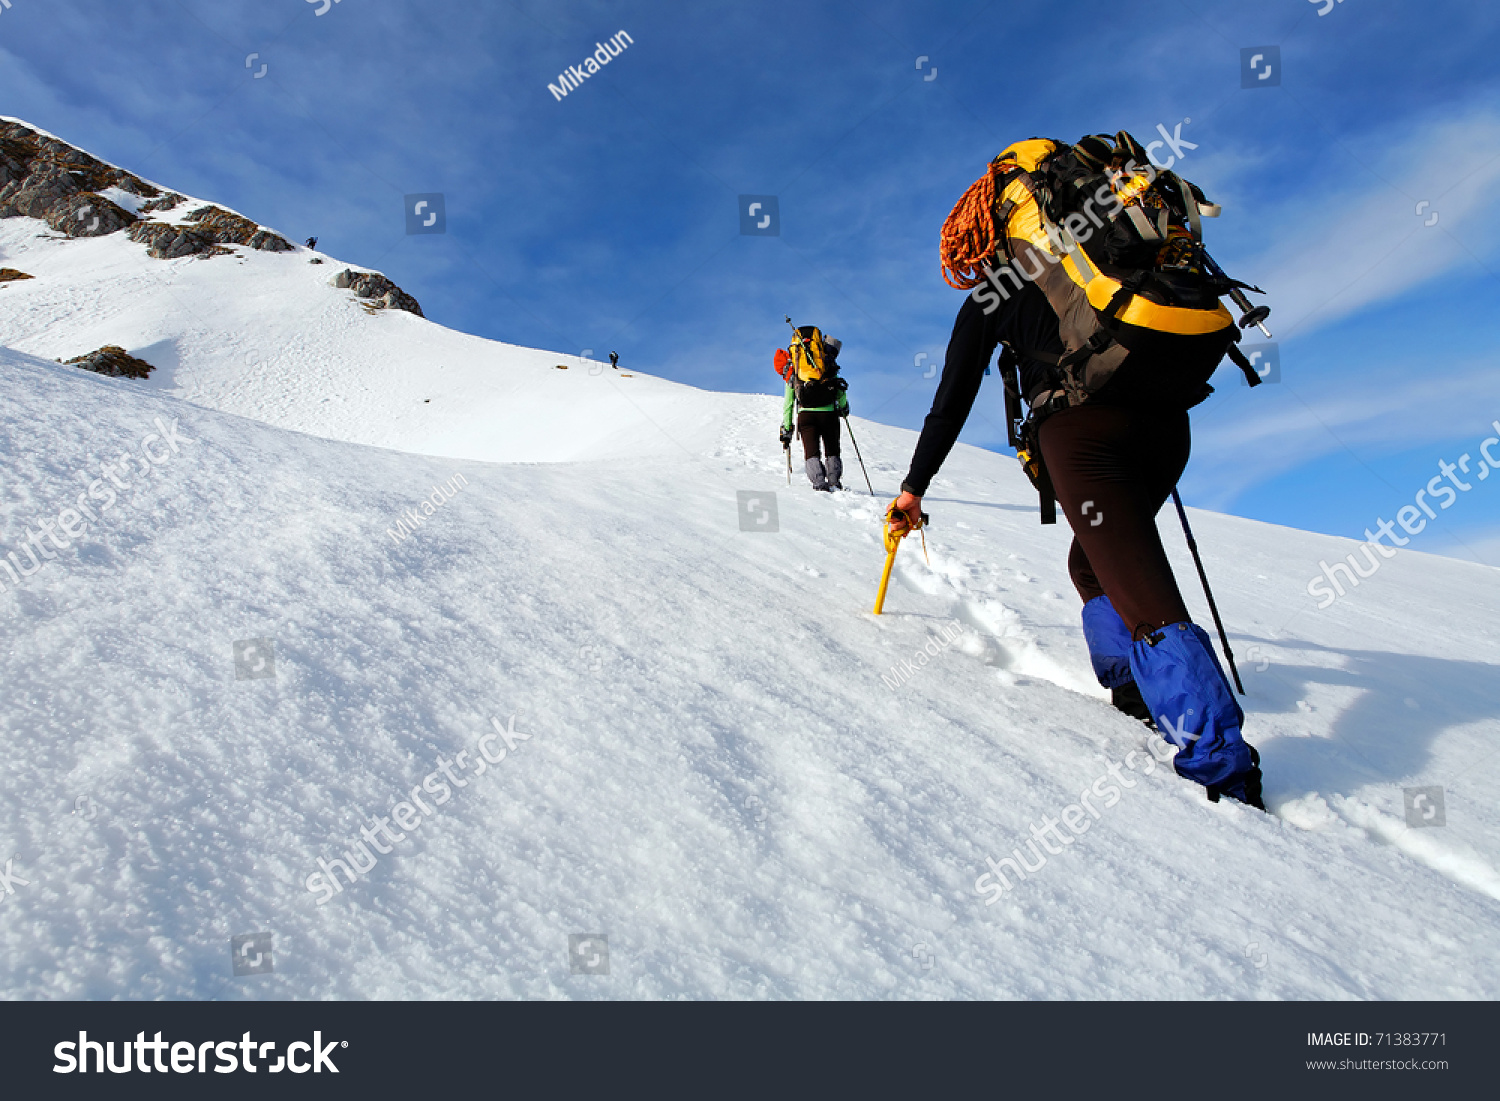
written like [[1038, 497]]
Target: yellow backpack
[[806, 355], [1115, 245]]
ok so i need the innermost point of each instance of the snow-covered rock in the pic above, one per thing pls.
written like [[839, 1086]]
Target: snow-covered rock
[[376, 287], [113, 361]]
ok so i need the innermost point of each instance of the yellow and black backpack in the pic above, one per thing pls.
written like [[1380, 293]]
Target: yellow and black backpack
[[1116, 246], [807, 357]]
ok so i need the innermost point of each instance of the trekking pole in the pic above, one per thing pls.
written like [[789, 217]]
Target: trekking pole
[[1203, 577], [860, 457], [787, 449], [1251, 313]]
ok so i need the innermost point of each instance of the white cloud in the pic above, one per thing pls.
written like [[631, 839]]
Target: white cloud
[[1334, 254], [1396, 408], [1348, 250]]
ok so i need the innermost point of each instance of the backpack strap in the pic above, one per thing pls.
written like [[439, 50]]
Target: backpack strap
[[1099, 342], [1189, 203], [1142, 224], [1063, 368], [1129, 286], [1243, 363], [1007, 175], [1021, 432]]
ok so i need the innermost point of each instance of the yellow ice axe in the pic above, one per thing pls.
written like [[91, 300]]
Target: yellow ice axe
[[892, 544]]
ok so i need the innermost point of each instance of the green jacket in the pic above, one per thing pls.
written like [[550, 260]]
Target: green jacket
[[789, 406]]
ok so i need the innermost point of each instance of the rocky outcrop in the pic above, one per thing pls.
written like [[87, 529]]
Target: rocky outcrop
[[167, 242], [41, 177], [44, 178], [22, 148], [231, 229], [10, 275], [88, 215], [114, 361], [34, 193], [208, 230], [169, 201], [51, 193], [378, 291]]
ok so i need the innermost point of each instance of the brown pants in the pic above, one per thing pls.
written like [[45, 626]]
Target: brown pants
[[818, 428], [1113, 467]]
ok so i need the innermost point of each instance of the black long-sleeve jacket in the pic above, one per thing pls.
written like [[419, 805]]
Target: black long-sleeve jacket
[[1024, 321]]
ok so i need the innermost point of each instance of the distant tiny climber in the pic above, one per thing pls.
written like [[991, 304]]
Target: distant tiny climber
[[816, 394], [312, 242], [614, 360]]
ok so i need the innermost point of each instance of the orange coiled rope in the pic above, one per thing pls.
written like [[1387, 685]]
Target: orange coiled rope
[[969, 233]]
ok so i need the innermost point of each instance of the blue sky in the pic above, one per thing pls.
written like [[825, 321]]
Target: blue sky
[[610, 220]]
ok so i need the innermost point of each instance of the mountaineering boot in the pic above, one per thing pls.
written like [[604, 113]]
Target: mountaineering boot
[[1127, 698], [1246, 787], [816, 474], [1184, 687], [835, 467]]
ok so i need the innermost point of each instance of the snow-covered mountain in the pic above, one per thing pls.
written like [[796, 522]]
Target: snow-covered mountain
[[234, 656]]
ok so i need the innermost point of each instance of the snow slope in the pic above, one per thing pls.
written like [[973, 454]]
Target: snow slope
[[715, 775], [264, 335]]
